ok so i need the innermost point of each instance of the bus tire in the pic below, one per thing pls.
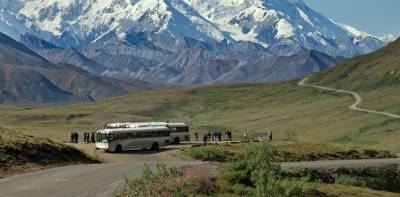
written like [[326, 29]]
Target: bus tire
[[118, 148], [177, 140], [155, 146]]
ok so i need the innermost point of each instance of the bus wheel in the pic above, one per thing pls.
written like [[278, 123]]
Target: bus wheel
[[118, 148], [155, 146], [177, 140]]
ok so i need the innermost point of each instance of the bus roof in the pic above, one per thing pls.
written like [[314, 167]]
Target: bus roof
[[145, 124], [127, 130]]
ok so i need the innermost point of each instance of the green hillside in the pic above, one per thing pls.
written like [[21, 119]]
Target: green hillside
[[288, 109], [375, 76]]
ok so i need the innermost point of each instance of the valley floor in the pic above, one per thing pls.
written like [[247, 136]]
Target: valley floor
[[289, 110]]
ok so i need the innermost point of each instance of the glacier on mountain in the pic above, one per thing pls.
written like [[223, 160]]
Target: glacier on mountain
[[270, 23]]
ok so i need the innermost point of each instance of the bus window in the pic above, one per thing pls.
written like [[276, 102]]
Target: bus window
[[182, 129]]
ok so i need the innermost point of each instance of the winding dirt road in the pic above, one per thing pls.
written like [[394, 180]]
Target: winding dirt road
[[356, 96]]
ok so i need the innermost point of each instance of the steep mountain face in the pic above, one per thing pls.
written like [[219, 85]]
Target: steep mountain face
[[59, 55], [179, 41], [27, 78], [187, 61]]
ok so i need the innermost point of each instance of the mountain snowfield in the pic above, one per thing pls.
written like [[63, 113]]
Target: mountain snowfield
[[187, 41], [73, 23]]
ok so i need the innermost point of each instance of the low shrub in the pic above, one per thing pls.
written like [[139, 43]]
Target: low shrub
[[386, 178], [165, 181], [349, 181], [258, 174], [211, 153]]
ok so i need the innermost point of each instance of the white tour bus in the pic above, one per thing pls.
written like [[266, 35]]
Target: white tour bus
[[121, 139], [179, 132]]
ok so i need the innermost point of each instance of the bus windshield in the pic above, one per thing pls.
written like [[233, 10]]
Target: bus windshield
[[102, 137]]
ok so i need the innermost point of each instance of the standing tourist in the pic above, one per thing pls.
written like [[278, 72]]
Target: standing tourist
[[205, 139], [196, 137], [270, 135]]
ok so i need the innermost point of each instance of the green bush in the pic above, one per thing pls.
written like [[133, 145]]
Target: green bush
[[349, 181], [386, 178], [150, 183], [258, 174], [165, 181], [210, 153]]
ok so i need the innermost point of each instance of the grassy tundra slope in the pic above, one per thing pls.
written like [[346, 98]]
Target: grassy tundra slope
[[286, 108], [375, 76], [21, 153]]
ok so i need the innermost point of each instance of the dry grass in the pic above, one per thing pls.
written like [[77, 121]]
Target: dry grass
[[23, 153]]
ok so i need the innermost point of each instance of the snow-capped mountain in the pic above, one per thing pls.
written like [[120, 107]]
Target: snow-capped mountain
[[271, 23], [389, 38], [186, 41]]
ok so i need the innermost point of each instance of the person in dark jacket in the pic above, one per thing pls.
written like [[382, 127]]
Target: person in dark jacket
[[76, 137], [93, 138], [204, 140], [229, 134]]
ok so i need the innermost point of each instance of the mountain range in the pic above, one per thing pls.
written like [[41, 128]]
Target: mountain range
[[26, 78], [181, 42], [282, 25]]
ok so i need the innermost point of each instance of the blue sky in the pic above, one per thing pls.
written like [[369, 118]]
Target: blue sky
[[378, 17]]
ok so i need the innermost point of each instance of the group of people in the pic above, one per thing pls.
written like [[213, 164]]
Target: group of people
[[74, 137], [213, 136], [217, 136], [87, 137]]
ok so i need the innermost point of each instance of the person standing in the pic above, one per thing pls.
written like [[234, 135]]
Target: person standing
[[93, 137], [196, 137], [245, 135], [76, 136], [270, 135], [205, 139], [219, 136]]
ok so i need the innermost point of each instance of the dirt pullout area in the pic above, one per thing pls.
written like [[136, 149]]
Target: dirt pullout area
[[20, 153]]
